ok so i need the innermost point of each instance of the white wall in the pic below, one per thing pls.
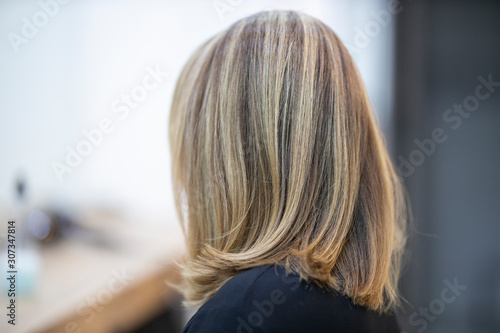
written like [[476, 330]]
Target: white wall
[[67, 76]]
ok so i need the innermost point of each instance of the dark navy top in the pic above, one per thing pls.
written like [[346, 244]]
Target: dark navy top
[[265, 299]]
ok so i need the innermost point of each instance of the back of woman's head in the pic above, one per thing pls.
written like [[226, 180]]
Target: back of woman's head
[[277, 159]]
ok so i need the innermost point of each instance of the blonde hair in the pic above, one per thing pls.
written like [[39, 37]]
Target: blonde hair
[[277, 158]]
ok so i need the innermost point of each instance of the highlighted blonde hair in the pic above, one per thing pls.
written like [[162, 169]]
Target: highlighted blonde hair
[[277, 158]]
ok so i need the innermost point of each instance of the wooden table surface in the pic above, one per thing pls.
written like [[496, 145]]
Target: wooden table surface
[[86, 288]]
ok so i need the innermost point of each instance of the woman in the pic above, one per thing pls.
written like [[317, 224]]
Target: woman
[[293, 214]]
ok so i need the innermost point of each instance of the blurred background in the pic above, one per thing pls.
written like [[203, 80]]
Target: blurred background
[[85, 90]]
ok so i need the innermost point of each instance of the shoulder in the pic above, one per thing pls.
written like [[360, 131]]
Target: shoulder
[[266, 299]]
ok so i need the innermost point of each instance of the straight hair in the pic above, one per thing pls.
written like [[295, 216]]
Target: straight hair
[[277, 159]]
